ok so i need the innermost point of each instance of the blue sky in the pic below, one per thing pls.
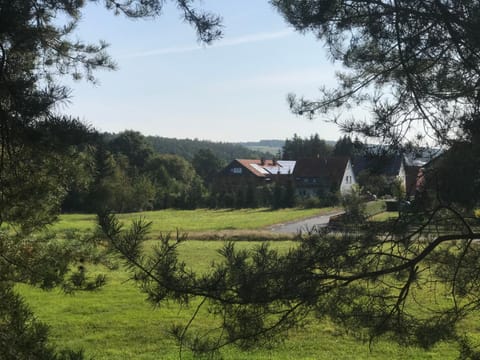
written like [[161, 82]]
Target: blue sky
[[235, 90]]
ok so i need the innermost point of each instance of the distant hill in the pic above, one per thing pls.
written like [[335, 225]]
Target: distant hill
[[272, 143], [271, 147], [188, 147]]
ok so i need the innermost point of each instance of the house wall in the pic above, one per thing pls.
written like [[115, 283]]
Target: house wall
[[348, 179], [235, 175], [305, 192], [306, 187]]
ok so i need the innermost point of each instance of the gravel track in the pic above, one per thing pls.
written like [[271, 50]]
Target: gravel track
[[295, 227]]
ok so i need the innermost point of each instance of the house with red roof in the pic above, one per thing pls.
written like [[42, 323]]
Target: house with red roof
[[311, 177], [321, 176], [257, 171]]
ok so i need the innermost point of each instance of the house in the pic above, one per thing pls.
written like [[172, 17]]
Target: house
[[256, 171], [327, 175], [404, 167], [314, 177], [414, 179], [415, 165]]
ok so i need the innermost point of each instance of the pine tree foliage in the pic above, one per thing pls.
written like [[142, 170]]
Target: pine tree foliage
[[21, 335], [416, 64], [41, 150]]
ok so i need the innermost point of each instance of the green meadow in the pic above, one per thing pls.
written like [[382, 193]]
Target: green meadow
[[116, 322], [197, 220]]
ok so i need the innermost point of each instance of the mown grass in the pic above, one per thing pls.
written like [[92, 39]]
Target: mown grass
[[384, 216], [196, 220], [116, 322], [375, 207]]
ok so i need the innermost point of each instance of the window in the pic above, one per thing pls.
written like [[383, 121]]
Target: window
[[237, 170]]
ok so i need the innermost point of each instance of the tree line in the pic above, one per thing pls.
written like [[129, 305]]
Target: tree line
[[126, 172], [187, 148], [129, 172]]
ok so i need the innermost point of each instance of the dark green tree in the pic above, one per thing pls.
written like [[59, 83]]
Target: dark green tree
[[298, 148], [134, 146], [344, 147], [100, 194], [187, 148], [373, 184], [207, 165], [39, 147], [176, 182]]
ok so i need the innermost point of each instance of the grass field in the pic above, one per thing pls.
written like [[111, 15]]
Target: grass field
[[375, 207], [117, 323], [199, 220], [383, 216]]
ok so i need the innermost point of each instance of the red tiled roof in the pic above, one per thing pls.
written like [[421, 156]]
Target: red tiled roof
[[247, 163]]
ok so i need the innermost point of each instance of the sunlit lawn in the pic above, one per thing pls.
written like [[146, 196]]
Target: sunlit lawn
[[197, 220], [383, 216], [117, 323], [375, 207]]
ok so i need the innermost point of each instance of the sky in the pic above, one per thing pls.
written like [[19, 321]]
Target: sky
[[167, 84]]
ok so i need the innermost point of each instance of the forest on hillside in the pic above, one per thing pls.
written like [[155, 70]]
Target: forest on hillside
[[187, 148]]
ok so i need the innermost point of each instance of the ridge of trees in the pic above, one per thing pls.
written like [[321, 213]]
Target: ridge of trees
[[187, 148], [264, 142]]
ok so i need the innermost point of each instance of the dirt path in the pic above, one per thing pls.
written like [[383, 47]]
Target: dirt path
[[302, 225]]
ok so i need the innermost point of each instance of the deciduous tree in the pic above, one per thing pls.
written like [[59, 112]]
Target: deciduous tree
[[207, 165]]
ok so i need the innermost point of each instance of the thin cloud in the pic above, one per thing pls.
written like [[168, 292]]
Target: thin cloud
[[253, 38], [246, 39], [291, 78]]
